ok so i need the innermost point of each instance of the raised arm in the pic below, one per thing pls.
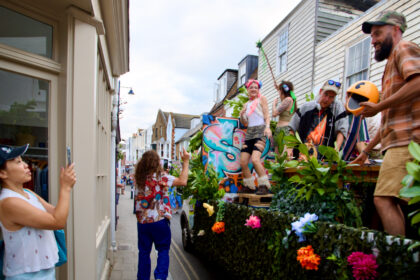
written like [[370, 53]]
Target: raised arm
[[182, 180], [20, 213]]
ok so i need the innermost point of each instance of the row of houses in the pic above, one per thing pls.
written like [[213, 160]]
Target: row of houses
[[317, 41]]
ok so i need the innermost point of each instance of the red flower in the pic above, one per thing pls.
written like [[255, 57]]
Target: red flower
[[218, 227], [307, 258], [364, 265]]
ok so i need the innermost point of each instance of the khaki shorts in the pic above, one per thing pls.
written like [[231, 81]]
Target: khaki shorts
[[392, 172]]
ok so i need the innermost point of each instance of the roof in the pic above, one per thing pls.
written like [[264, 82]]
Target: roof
[[183, 120], [190, 133]]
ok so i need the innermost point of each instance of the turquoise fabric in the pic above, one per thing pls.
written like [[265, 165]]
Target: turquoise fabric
[[45, 274]]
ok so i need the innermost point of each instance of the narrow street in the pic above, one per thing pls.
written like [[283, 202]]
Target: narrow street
[[183, 265]]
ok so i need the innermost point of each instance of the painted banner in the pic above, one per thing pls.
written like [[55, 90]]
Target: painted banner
[[223, 138]]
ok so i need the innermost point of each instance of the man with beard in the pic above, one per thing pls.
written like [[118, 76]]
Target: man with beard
[[400, 108]]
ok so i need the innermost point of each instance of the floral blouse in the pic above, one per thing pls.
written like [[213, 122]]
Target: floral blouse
[[152, 204]]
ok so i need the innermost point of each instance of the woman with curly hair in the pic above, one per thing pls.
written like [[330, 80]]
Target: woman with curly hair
[[153, 211]]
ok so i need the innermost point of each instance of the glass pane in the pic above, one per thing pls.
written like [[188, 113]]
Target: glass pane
[[25, 33], [24, 120]]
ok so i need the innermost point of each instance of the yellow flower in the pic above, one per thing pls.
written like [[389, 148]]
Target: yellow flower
[[210, 209]]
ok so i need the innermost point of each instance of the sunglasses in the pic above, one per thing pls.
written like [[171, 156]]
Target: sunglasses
[[331, 83], [286, 88]]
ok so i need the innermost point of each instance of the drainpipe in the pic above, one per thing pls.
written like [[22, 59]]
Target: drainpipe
[[114, 119]]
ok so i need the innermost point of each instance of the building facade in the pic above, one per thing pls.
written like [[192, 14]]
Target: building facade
[[59, 68]]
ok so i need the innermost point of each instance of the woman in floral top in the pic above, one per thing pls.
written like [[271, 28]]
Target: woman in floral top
[[153, 211]]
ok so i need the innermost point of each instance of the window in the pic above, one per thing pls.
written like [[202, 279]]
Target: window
[[25, 33], [282, 50], [242, 74], [357, 64]]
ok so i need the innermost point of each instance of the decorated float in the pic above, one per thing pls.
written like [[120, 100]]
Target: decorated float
[[319, 222]]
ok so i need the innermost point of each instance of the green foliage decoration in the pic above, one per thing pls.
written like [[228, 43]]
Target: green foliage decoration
[[203, 185], [270, 251], [411, 183], [195, 142], [315, 189], [238, 103]]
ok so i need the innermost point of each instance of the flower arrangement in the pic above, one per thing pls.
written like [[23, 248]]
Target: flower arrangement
[[253, 222], [210, 209], [364, 265], [305, 225], [219, 225], [307, 258]]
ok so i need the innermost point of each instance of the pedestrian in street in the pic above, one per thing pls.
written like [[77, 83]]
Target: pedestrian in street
[[27, 221], [400, 108], [256, 117], [153, 211]]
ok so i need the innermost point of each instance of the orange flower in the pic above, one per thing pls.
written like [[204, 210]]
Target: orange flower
[[307, 258], [218, 227]]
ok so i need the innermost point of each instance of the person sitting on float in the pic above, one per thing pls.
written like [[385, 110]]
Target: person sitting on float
[[284, 110], [322, 121], [256, 117]]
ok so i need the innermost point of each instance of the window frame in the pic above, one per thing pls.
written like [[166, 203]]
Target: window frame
[[282, 54], [361, 70]]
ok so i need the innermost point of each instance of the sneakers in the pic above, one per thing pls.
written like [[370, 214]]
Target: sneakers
[[262, 190]]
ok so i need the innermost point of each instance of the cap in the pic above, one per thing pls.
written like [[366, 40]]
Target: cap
[[9, 152], [330, 85], [386, 18]]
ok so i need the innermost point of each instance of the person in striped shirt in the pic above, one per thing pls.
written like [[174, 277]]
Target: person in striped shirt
[[400, 109]]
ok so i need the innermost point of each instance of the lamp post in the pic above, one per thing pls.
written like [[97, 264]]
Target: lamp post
[[130, 92]]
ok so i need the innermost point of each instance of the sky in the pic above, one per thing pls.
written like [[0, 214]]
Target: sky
[[178, 49]]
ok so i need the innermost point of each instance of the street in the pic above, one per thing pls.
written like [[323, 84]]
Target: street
[[183, 265]]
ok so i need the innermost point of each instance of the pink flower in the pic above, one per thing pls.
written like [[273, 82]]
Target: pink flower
[[253, 222], [364, 266]]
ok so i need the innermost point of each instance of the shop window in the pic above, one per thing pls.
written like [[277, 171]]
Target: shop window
[[25, 33], [24, 120]]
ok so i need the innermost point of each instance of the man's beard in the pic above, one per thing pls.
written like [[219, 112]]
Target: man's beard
[[384, 49]]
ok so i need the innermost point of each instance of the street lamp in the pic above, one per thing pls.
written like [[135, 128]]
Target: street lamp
[[130, 92]]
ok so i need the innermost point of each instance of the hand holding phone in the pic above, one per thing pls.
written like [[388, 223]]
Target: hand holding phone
[[68, 156]]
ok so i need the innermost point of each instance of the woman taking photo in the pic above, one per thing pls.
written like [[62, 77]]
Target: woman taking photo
[[153, 211], [256, 117], [27, 221], [284, 110]]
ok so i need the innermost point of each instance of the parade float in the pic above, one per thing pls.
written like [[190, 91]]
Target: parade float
[[319, 222]]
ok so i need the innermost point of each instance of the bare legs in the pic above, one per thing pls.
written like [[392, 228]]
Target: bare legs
[[391, 214]]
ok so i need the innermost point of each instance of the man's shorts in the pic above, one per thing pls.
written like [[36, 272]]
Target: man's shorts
[[392, 172]]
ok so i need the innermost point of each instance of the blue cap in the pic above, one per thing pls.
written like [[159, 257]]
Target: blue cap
[[10, 152]]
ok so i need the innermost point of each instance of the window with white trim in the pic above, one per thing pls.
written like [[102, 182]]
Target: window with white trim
[[283, 39], [242, 74], [357, 64]]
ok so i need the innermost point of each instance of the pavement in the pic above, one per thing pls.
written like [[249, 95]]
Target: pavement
[[126, 256]]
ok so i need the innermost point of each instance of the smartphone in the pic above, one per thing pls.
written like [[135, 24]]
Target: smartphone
[[68, 155]]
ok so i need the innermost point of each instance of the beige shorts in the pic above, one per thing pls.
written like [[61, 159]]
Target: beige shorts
[[392, 172]]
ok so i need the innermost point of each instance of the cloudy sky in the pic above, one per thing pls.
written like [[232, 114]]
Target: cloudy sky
[[178, 49]]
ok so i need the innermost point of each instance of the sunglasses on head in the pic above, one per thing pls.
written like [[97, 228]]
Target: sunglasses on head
[[331, 83], [286, 88]]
